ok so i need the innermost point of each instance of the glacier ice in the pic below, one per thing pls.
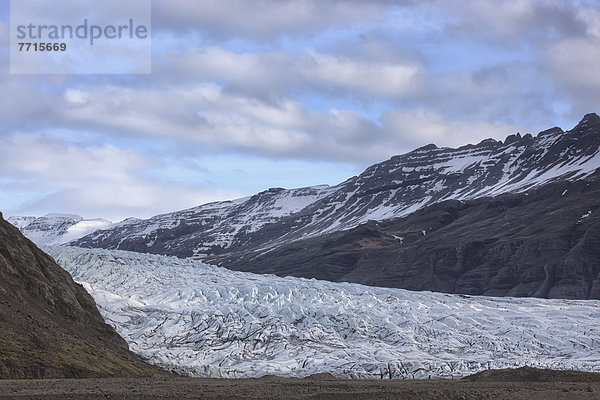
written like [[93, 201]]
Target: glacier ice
[[201, 320]]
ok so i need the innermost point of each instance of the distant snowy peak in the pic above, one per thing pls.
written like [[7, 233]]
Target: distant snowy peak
[[53, 229], [393, 188], [21, 222], [210, 227], [486, 169]]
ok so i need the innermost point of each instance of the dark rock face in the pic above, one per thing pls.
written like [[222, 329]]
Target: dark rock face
[[49, 325], [386, 190], [542, 243]]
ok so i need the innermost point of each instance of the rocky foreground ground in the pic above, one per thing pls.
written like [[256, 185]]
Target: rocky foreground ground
[[523, 383]]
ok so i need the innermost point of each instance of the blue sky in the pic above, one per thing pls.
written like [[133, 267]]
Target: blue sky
[[248, 95]]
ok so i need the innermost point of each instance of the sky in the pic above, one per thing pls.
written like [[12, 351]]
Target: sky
[[248, 95]]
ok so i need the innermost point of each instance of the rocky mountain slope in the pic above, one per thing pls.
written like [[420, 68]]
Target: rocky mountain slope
[[52, 229], [544, 243], [391, 189], [202, 320], [49, 325]]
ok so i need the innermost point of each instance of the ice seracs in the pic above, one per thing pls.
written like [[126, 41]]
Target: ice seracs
[[201, 320]]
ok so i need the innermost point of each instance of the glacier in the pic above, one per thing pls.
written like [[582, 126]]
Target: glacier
[[205, 321], [56, 229]]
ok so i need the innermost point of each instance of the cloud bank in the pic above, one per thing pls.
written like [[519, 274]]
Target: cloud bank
[[290, 85]]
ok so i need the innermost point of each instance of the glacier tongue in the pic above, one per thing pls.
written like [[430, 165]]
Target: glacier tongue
[[201, 320]]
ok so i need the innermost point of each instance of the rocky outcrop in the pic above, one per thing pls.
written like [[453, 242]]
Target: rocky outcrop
[[542, 243], [49, 325]]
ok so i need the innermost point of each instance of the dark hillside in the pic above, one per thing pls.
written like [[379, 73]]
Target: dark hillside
[[542, 243], [49, 325]]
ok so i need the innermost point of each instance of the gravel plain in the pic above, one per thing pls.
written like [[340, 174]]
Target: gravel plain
[[524, 383]]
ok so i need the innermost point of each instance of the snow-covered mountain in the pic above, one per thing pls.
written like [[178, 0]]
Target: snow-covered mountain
[[53, 229], [202, 320], [544, 242], [208, 228], [390, 189]]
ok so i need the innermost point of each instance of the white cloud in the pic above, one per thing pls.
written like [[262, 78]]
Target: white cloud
[[420, 126], [279, 73], [42, 156], [577, 61], [261, 20], [101, 181], [232, 122], [76, 97], [325, 80], [591, 18], [573, 63], [507, 17], [205, 114], [370, 77], [253, 70]]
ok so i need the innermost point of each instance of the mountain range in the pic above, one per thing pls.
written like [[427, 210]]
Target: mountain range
[[506, 218], [390, 189], [510, 219]]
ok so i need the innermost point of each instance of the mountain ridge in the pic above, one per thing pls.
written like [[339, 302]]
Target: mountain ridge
[[390, 189]]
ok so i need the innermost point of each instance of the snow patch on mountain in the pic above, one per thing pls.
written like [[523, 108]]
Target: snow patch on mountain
[[202, 320], [55, 229], [20, 222]]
